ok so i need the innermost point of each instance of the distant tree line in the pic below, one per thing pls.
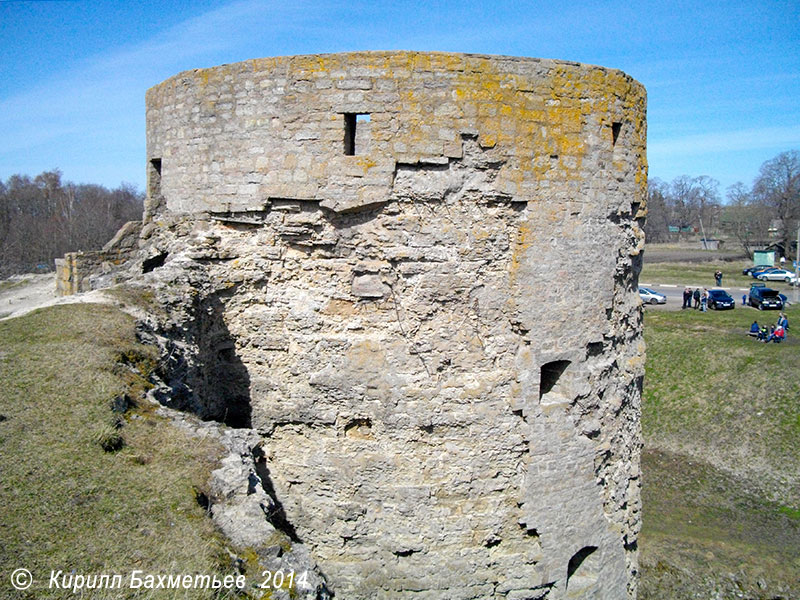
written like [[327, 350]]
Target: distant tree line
[[678, 208], [767, 212], [42, 218]]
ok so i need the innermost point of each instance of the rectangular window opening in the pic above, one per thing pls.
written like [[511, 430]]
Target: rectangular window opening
[[156, 164], [550, 375], [154, 197], [615, 129], [154, 178], [354, 130]]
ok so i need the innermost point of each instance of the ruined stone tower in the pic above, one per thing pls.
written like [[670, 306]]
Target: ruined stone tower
[[414, 274]]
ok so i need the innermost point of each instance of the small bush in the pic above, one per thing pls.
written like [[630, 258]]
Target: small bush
[[109, 439]]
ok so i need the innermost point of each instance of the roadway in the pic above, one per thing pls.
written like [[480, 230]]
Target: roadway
[[674, 294]]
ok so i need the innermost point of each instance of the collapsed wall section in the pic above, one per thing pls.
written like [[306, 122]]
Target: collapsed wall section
[[78, 272], [424, 266]]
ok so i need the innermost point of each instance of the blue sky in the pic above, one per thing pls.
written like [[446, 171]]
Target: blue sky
[[723, 78]]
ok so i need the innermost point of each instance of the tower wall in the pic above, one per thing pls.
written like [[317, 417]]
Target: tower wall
[[424, 267]]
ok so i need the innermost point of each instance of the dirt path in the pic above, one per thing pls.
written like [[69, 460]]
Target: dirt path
[[21, 294]]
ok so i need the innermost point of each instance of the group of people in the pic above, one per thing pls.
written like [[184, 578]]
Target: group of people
[[700, 299], [776, 333]]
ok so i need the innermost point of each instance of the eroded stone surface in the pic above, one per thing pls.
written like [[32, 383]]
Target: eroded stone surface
[[437, 338]]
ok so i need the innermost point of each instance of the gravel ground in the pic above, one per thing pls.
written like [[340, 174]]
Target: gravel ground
[[20, 294]]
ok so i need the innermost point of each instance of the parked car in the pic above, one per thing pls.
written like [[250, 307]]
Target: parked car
[[720, 299], [749, 270], [777, 275], [763, 297], [756, 272], [649, 296]]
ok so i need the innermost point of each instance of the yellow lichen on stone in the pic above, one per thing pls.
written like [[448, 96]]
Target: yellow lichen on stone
[[522, 243], [366, 163]]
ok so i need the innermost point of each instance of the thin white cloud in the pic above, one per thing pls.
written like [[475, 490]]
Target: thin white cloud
[[97, 109], [728, 141], [106, 92]]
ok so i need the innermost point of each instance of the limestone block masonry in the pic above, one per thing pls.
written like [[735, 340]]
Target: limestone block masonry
[[79, 272], [415, 276]]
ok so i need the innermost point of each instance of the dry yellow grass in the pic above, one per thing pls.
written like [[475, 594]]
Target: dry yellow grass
[[68, 504]]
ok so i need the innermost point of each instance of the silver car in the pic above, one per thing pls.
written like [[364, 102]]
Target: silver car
[[778, 275], [649, 296]]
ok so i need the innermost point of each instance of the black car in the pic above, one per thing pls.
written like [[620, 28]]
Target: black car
[[763, 297], [751, 270], [720, 299]]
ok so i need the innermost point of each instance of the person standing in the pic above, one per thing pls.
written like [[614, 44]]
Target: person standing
[[687, 298], [704, 300], [718, 277], [696, 297]]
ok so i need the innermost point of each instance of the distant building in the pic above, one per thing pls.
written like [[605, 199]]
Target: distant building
[[709, 244], [764, 257]]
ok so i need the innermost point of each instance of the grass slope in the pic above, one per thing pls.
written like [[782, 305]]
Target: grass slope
[[721, 421], [67, 503], [694, 273]]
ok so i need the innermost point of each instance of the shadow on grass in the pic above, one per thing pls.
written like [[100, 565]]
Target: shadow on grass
[[705, 531]]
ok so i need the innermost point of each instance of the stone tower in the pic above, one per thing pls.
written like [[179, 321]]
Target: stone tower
[[415, 276]]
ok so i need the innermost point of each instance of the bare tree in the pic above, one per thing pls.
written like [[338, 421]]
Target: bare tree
[[777, 187], [43, 218], [682, 204], [694, 199], [656, 228], [745, 219]]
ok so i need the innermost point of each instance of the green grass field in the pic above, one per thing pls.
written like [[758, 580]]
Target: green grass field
[[721, 466], [68, 503], [695, 273]]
